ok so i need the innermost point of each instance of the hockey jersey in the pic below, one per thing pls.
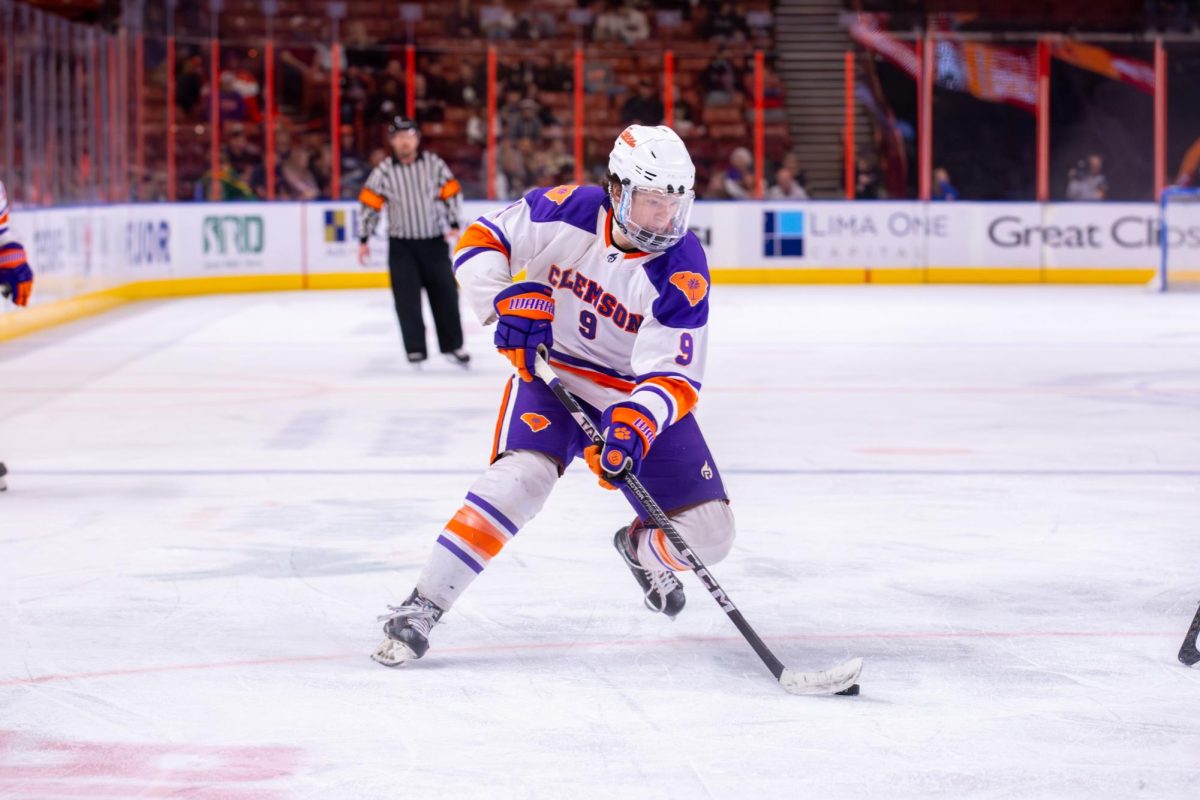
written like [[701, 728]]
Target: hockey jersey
[[3, 211], [626, 325]]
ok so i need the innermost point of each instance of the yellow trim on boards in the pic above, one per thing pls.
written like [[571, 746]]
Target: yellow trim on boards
[[21, 322]]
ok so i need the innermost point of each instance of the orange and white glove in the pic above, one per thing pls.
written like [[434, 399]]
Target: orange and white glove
[[525, 317], [629, 430]]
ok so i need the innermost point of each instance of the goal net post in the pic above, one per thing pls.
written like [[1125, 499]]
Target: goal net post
[[1178, 240]]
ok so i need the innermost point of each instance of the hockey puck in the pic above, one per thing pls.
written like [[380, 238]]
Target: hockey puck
[[850, 691]]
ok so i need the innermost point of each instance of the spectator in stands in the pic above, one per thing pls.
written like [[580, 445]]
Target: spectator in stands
[[761, 24], [297, 181], [355, 91], [685, 112], [715, 188], [942, 188], [245, 83], [866, 180], [496, 22], [1086, 180], [468, 87], [726, 25], [721, 80], [476, 130], [463, 24], [524, 123], [552, 74], [537, 24], [621, 22], [386, 102], [551, 125], [786, 187], [429, 109], [559, 162], [513, 178], [321, 166], [739, 176], [230, 185], [189, 86], [232, 106], [353, 166], [773, 100], [643, 108], [598, 78], [243, 155]]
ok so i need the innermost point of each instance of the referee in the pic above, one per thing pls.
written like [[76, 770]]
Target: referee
[[424, 203]]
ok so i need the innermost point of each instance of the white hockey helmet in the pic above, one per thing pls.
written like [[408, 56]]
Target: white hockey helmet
[[657, 180]]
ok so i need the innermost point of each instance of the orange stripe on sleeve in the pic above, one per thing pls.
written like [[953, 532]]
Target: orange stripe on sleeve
[[477, 235], [449, 189], [370, 199], [682, 392], [471, 527]]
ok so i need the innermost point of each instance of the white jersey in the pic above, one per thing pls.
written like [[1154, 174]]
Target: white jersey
[[3, 211], [626, 325]]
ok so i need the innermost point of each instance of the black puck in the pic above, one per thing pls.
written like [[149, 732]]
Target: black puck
[[850, 691]]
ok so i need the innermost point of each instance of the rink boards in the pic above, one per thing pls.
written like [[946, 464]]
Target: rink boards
[[90, 258]]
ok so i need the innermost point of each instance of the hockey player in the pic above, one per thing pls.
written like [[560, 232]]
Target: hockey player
[[16, 278], [616, 288]]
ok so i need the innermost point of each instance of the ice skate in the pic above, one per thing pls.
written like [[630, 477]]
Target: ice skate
[[415, 360], [662, 590], [459, 357], [407, 628], [3, 472]]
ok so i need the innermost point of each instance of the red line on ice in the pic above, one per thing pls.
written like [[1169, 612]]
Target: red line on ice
[[39, 679]]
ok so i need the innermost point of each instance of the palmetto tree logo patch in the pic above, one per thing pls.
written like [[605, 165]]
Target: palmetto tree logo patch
[[692, 284]]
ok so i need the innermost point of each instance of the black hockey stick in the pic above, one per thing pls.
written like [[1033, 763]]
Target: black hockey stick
[[1188, 654], [837, 680]]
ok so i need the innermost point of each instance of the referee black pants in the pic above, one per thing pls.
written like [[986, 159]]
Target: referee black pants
[[424, 263]]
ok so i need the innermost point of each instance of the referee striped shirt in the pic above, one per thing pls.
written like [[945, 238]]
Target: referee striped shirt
[[423, 199]]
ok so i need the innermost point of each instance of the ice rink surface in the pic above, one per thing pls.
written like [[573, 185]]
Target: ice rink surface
[[991, 494]]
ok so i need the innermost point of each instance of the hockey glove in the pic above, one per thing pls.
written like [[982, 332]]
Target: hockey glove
[[17, 283], [526, 313], [629, 430]]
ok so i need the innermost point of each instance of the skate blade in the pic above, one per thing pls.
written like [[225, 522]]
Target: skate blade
[[393, 654]]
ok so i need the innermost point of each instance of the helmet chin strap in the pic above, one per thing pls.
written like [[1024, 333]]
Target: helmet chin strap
[[621, 239]]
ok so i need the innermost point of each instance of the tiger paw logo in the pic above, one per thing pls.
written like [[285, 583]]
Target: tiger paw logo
[[693, 286], [536, 422], [559, 194]]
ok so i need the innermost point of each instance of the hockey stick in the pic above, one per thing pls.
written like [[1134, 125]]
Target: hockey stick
[[837, 680], [1188, 654]]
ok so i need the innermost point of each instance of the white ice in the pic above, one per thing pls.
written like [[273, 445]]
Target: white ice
[[991, 494]]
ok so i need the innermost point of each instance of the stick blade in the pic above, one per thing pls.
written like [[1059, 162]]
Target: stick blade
[[830, 681], [1188, 654]]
